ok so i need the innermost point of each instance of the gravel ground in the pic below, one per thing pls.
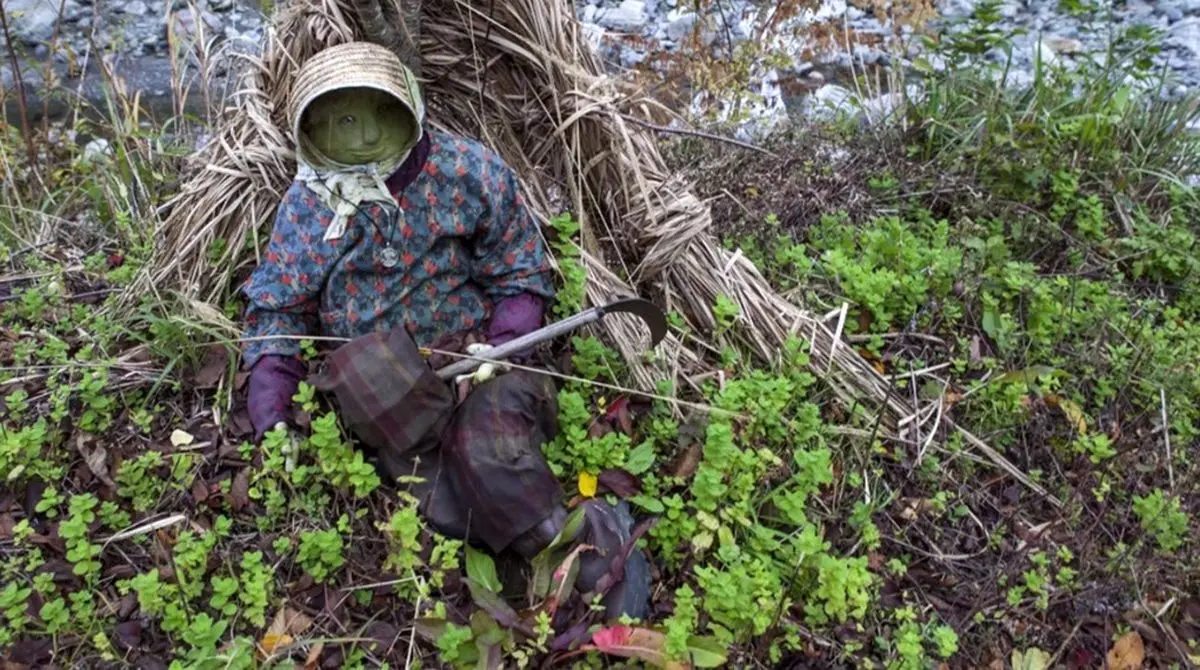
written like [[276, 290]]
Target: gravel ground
[[631, 33]]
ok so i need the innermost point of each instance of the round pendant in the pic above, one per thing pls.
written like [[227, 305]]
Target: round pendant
[[389, 257]]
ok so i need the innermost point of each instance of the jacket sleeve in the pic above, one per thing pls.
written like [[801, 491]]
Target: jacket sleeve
[[283, 293], [510, 255]]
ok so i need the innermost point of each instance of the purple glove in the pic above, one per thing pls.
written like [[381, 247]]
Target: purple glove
[[514, 317], [273, 382]]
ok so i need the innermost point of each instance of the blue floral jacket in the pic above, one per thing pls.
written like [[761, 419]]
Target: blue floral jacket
[[465, 241]]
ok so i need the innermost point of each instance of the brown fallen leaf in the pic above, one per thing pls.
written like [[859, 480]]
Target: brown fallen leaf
[[915, 507], [239, 424], [1128, 653], [620, 482], [199, 490], [599, 429], [287, 624], [212, 367], [7, 524], [687, 462], [95, 457], [314, 656], [239, 492], [975, 350]]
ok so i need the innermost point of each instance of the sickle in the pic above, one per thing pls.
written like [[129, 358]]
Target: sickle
[[645, 310]]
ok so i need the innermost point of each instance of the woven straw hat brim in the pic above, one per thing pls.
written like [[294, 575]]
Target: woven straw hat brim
[[353, 65]]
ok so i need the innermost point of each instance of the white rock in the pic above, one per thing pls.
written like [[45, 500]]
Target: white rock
[[95, 150], [34, 20], [1063, 45], [885, 108], [588, 15], [632, 57], [593, 35], [135, 8], [1186, 35], [828, 102], [1046, 53], [628, 17], [681, 26]]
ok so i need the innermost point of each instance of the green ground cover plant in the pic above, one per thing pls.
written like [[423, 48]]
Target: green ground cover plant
[[1021, 262]]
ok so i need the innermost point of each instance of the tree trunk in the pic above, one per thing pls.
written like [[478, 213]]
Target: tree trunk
[[394, 24]]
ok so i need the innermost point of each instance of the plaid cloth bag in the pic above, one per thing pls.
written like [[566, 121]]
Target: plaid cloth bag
[[387, 395], [485, 478]]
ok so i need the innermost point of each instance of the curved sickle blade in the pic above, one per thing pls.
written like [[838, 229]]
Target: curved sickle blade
[[645, 310]]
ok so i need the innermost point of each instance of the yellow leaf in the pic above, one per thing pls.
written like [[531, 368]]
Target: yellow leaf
[[180, 438], [287, 623], [587, 484], [1030, 659], [1128, 653], [1073, 412], [272, 642]]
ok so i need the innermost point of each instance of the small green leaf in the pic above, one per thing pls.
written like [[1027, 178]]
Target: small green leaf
[[991, 323], [640, 459], [649, 503], [1031, 374], [482, 570], [706, 652]]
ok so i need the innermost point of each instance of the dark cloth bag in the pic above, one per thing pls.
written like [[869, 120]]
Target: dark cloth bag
[[484, 476]]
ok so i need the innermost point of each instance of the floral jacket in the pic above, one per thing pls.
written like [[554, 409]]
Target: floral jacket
[[465, 242]]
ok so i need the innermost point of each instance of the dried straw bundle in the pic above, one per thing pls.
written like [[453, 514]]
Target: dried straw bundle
[[519, 75]]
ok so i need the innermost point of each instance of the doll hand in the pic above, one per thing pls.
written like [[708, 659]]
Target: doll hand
[[486, 371]]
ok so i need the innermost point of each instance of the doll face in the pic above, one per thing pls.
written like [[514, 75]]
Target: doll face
[[357, 126]]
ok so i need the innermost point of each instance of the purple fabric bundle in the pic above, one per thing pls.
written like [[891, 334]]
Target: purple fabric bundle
[[275, 379]]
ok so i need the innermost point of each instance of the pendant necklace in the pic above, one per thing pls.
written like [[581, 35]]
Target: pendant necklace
[[388, 257]]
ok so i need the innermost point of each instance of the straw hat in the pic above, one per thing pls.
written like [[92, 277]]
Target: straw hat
[[353, 65]]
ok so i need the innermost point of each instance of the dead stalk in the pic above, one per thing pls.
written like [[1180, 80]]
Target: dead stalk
[[23, 102], [1162, 395]]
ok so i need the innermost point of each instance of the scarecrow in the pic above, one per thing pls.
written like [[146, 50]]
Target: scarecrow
[[403, 239]]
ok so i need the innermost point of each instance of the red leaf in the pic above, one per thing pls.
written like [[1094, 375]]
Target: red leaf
[[628, 642], [619, 415], [620, 482], [129, 635], [563, 579]]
